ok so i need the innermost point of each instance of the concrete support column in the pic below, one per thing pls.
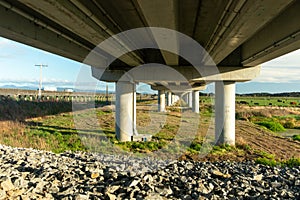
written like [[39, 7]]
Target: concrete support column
[[225, 112], [125, 111], [161, 101], [134, 110], [173, 98], [190, 99], [195, 106], [169, 102], [185, 97]]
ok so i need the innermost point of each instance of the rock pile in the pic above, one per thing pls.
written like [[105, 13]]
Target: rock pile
[[33, 174]]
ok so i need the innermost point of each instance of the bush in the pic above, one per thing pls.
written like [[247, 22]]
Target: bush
[[196, 146], [273, 126], [296, 137]]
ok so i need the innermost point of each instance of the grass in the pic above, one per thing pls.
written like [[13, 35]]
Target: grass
[[270, 160], [141, 146], [16, 134], [271, 125], [261, 101], [55, 131], [267, 101]]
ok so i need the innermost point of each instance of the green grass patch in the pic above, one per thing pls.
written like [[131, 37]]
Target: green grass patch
[[222, 149], [267, 161], [141, 146], [270, 160], [293, 162], [271, 125], [269, 101], [59, 142], [264, 154], [195, 147]]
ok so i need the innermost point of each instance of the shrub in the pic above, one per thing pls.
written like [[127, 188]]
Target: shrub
[[196, 146], [296, 137], [273, 126]]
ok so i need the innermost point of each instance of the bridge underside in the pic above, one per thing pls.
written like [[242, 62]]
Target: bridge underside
[[237, 34]]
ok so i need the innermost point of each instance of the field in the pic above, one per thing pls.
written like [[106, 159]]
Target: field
[[53, 126], [262, 101]]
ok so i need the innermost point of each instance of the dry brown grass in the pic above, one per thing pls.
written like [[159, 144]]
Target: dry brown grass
[[13, 133]]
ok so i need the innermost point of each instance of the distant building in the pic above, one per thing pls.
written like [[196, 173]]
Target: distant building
[[68, 90], [51, 89]]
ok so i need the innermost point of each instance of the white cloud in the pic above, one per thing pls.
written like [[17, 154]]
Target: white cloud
[[289, 60], [284, 69]]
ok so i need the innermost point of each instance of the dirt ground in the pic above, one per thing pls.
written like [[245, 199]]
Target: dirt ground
[[259, 139], [248, 134]]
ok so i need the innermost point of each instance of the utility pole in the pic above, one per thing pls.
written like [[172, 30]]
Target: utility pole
[[40, 83]]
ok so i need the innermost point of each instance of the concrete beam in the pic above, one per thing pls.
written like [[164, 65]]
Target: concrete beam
[[237, 74], [73, 16], [280, 36], [18, 28], [166, 16], [177, 89], [149, 73], [225, 113], [240, 22]]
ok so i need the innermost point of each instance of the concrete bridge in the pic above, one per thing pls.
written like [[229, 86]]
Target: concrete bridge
[[237, 35]]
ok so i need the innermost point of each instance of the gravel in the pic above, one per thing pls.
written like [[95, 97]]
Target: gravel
[[33, 174]]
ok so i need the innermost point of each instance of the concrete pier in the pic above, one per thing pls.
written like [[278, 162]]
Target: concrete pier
[[195, 103], [225, 112], [125, 111], [161, 101], [169, 102], [190, 99], [185, 98]]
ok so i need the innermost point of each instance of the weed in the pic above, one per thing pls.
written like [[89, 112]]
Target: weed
[[141, 146], [267, 161], [293, 162], [222, 149], [266, 155], [245, 147]]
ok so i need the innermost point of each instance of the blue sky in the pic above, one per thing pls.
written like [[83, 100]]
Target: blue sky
[[17, 68]]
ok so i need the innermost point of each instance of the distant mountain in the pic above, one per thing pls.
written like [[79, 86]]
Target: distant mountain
[[19, 87]]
